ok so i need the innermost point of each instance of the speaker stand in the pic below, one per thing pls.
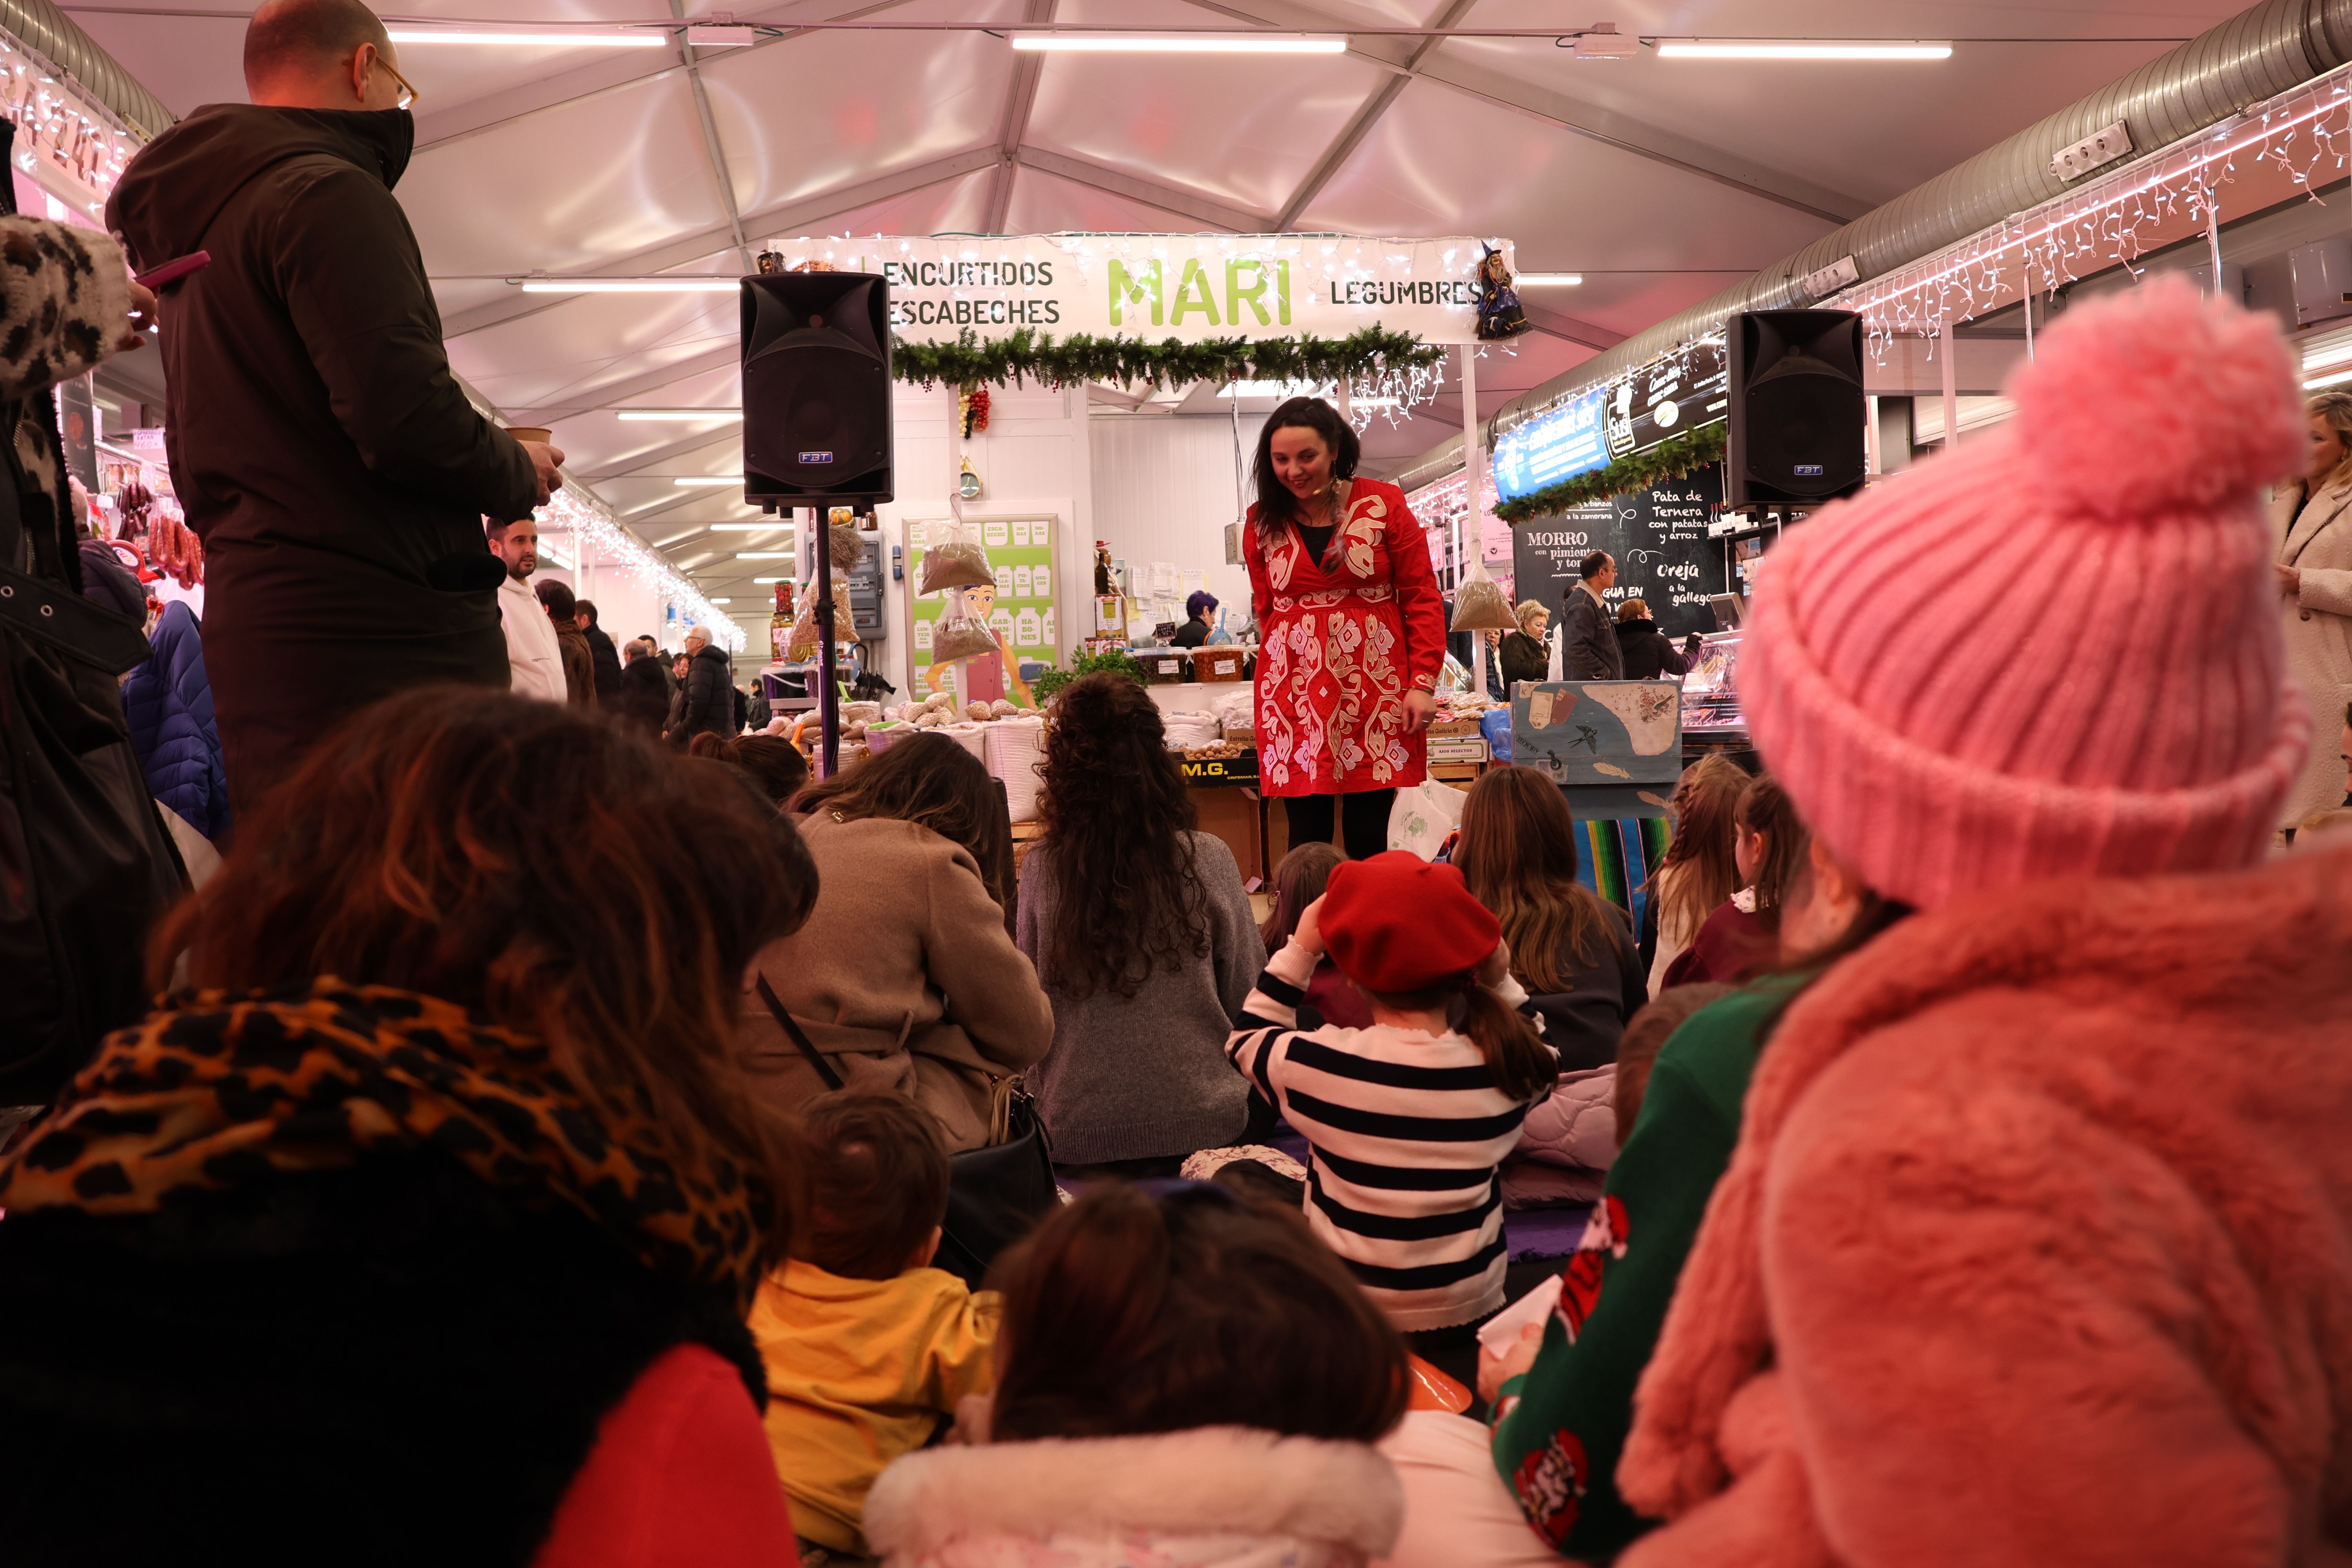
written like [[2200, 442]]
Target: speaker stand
[[828, 654]]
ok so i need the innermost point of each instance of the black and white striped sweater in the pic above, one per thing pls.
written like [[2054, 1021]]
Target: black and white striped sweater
[[1405, 1129]]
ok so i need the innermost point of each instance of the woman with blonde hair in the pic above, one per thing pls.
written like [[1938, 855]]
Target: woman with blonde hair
[[1522, 654], [2313, 516], [1699, 870]]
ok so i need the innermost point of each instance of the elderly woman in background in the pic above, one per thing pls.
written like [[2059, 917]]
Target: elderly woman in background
[[2313, 516], [1522, 653]]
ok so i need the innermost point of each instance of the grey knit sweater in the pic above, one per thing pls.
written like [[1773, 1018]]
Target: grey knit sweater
[[1134, 1078]]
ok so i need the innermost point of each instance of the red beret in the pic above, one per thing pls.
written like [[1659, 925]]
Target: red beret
[[1396, 923]]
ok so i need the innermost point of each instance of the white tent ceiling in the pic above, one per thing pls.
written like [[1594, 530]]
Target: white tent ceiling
[[1660, 181]]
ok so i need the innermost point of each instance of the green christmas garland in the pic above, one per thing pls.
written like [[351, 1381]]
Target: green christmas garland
[[1119, 361], [1667, 460]]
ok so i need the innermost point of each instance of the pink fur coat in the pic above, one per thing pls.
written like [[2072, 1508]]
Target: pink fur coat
[[2036, 1248]]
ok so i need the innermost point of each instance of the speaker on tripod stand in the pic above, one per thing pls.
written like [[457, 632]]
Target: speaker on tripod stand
[[816, 423], [816, 389], [1797, 410]]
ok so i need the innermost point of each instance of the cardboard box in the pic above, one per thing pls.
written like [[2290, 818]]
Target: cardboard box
[[1246, 737], [1451, 748], [1453, 726]]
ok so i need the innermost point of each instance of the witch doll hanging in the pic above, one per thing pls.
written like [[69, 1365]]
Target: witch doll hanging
[[1499, 315]]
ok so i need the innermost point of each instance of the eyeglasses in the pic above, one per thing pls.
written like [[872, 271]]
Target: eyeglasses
[[408, 93]]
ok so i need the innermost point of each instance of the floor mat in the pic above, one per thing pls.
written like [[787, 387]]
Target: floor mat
[[1545, 1233]]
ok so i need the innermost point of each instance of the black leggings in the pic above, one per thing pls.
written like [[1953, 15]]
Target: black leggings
[[1363, 819]]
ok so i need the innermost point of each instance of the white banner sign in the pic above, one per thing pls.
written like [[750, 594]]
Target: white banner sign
[[1157, 286]]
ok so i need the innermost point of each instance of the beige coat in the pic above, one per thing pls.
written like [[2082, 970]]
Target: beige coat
[[2319, 623], [904, 977]]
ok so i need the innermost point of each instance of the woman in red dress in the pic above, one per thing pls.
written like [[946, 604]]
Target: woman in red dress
[[1352, 626]]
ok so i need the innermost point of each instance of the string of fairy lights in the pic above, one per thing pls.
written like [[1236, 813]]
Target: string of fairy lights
[[2302, 135], [592, 525], [80, 146]]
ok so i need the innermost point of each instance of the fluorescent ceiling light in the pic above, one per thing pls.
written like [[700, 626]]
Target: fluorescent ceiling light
[[1800, 49], [650, 416], [763, 555], [1547, 279], [2338, 379], [2321, 359], [771, 579], [720, 601], [598, 39], [710, 479], [749, 527], [1181, 43], [630, 285]]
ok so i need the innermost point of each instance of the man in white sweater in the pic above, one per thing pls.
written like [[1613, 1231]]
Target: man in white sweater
[[534, 658]]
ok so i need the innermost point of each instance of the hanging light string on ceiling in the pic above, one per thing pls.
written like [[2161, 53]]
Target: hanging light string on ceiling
[[569, 31], [591, 524], [2301, 134]]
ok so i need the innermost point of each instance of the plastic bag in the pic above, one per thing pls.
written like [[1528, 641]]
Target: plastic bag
[[1424, 815], [962, 637], [1480, 604], [848, 545], [803, 643], [955, 559]]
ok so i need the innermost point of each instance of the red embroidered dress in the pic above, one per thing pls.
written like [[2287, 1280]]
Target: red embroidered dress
[[1343, 640]]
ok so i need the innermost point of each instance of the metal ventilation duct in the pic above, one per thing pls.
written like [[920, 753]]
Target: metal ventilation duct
[[49, 33], [2255, 55]]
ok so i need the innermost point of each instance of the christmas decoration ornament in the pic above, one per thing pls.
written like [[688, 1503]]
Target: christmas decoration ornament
[[1499, 313], [971, 403], [1665, 461], [1376, 361]]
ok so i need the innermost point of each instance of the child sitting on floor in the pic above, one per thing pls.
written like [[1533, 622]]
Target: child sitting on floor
[[1185, 1378], [1406, 1120], [868, 1349], [1299, 881]]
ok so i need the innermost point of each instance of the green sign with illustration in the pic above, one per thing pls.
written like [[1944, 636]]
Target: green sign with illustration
[[1019, 609]]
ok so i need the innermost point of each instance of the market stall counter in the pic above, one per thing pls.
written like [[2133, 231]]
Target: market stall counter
[[1210, 727]]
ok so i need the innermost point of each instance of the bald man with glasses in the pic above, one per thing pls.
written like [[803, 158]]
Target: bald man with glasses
[[324, 452]]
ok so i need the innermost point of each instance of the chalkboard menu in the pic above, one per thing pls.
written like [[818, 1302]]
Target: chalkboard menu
[[1658, 537]]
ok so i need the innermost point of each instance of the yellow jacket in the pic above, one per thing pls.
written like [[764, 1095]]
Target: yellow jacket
[[860, 1372]]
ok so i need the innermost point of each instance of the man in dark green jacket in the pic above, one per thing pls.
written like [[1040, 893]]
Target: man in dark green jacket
[[1561, 1425], [332, 466]]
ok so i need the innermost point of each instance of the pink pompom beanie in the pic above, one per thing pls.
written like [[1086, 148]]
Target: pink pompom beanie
[[2057, 651]]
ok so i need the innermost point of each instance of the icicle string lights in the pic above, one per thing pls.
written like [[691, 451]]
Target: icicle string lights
[[593, 527], [75, 143], [2302, 134], [2156, 202]]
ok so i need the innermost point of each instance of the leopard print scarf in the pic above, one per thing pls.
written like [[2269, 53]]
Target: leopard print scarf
[[216, 1088]]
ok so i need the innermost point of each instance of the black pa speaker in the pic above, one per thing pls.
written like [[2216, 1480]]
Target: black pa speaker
[[1797, 408], [816, 389]]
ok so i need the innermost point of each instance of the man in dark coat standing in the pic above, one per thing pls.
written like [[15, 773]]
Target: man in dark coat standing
[[607, 657], [333, 466], [1588, 634], [710, 693]]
